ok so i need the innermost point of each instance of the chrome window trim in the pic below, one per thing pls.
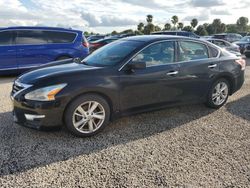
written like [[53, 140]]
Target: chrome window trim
[[177, 62], [40, 30]]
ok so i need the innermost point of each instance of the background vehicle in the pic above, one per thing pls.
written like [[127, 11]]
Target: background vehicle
[[22, 48], [178, 33], [231, 47], [99, 43], [93, 38], [244, 45], [132, 75], [230, 37]]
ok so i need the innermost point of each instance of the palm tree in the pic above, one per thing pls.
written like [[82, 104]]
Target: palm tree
[[194, 22], [149, 18], [140, 27], [180, 25], [175, 20]]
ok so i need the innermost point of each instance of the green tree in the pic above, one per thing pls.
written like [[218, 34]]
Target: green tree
[[149, 28], [180, 25], [209, 28], [242, 24], [175, 20], [194, 22], [232, 28], [157, 28], [216, 25], [86, 33], [201, 30], [188, 28], [167, 27], [222, 28], [114, 33], [127, 31], [140, 27]]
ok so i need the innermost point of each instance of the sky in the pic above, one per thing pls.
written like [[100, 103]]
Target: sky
[[104, 16]]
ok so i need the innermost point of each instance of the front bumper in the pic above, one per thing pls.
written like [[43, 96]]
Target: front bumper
[[36, 114]]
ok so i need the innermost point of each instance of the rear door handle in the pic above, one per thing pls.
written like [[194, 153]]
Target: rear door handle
[[172, 73], [212, 66]]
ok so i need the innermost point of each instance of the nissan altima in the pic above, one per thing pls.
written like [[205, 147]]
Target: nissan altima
[[128, 76]]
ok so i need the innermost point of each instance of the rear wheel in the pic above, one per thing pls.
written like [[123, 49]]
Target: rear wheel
[[87, 115], [218, 93]]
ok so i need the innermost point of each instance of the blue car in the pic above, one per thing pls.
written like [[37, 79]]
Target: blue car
[[23, 48]]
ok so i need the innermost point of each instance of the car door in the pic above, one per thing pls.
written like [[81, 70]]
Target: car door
[[7, 51], [155, 85], [31, 48], [196, 69]]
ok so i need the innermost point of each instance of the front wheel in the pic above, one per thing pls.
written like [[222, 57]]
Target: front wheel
[[87, 115], [218, 94]]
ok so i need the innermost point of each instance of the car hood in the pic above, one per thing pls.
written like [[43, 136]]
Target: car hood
[[54, 70]]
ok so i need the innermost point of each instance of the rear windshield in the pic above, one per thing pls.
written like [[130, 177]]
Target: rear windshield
[[112, 53]]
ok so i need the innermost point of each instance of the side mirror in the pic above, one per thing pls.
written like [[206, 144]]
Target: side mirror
[[137, 65]]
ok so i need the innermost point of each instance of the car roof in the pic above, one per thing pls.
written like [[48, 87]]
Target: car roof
[[171, 32], [150, 38], [39, 28]]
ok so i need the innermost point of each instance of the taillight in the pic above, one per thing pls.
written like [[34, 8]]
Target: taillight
[[85, 44], [242, 63], [96, 44]]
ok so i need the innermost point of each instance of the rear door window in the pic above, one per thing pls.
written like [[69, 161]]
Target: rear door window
[[189, 50], [213, 51], [60, 37], [6, 38], [30, 37]]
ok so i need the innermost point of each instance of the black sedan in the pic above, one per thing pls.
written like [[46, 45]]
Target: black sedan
[[128, 76], [244, 44]]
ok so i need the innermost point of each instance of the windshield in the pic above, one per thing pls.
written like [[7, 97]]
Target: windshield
[[245, 39], [112, 53]]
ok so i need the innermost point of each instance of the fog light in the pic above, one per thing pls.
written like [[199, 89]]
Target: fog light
[[31, 117]]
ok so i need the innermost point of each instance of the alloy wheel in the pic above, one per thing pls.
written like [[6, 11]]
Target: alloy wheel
[[220, 93], [88, 117]]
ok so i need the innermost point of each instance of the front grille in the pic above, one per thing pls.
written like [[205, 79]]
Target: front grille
[[17, 87]]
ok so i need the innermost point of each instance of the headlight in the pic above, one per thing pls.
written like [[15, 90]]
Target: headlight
[[45, 94]]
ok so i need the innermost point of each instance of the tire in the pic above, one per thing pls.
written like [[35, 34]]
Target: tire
[[247, 55], [62, 58], [85, 123], [213, 96]]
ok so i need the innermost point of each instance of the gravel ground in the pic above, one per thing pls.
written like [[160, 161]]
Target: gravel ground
[[189, 146]]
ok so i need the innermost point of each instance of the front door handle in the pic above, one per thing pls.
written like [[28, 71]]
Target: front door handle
[[212, 66], [172, 73]]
